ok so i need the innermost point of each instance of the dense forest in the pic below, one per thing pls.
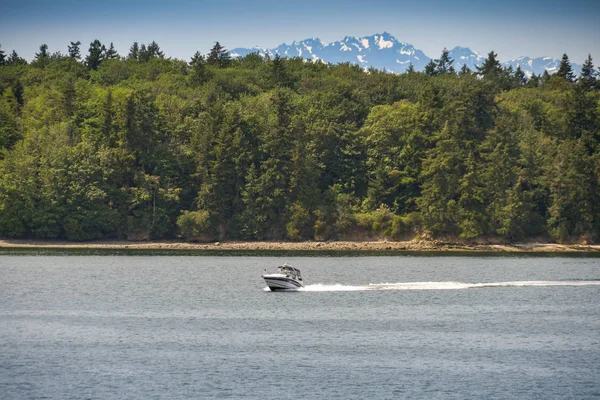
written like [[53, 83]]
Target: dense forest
[[139, 146]]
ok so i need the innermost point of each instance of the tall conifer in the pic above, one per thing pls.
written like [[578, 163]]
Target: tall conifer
[[564, 70], [134, 51], [588, 73], [95, 55], [490, 69], [218, 56], [74, 51], [110, 53], [444, 63]]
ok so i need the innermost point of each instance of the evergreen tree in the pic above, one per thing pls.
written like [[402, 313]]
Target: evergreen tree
[[154, 51], [197, 60], [9, 133], [219, 56], [143, 54], [534, 81], [110, 53], [74, 51], [444, 63], [464, 70], [410, 69], [520, 77], [441, 184], [565, 70], [491, 68], [134, 51], [96, 55], [102, 154], [545, 76], [43, 57], [199, 72], [279, 74], [14, 59], [146, 53], [431, 68], [3, 59], [43, 52], [588, 73]]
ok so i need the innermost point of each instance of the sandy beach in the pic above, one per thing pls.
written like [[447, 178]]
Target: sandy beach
[[412, 245]]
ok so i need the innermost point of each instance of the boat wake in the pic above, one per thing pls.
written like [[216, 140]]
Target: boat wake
[[319, 287]]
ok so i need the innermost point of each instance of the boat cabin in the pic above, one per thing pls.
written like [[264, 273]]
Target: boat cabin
[[290, 271]]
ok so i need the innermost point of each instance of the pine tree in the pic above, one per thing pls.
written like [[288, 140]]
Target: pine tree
[[14, 59], [110, 53], [96, 55], [588, 74], [410, 69], [144, 54], [430, 68], [43, 52], [3, 59], [441, 183], [219, 56], [154, 51], [74, 51], [545, 77], [197, 60], [520, 77], [534, 81], [564, 70], [490, 69], [278, 71], [134, 51], [200, 74], [43, 57], [444, 63]]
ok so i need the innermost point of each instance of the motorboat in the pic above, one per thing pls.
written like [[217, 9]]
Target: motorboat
[[285, 278]]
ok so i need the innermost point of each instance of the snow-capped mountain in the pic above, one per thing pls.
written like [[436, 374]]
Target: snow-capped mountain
[[381, 51], [465, 56], [384, 52], [530, 66], [538, 65]]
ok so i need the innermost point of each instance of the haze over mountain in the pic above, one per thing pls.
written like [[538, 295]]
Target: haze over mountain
[[384, 52]]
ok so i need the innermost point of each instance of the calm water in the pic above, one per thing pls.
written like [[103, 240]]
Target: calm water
[[143, 327]]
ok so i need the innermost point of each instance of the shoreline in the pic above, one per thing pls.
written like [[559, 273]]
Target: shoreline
[[363, 246]]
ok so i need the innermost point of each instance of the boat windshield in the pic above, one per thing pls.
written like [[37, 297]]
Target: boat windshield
[[287, 270]]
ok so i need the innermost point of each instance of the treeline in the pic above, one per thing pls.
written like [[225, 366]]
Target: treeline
[[259, 148]]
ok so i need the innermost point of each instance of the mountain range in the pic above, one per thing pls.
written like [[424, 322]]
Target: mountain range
[[384, 52]]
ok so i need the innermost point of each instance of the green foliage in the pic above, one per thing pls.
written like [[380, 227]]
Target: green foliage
[[299, 226], [3, 58], [271, 149], [490, 69], [588, 78], [96, 55], [219, 56], [444, 64], [565, 70], [395, 139], [74, 51], [195, 225]]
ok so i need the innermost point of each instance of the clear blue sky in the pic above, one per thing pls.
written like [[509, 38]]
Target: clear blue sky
[[511, 28]]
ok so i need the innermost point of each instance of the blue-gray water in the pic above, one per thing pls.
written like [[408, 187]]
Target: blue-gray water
[[143, 327]]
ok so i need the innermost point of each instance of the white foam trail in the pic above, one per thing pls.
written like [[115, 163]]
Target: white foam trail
[[320, 287]]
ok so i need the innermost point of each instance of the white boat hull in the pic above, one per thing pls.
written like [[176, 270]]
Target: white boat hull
[[281, 282]]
